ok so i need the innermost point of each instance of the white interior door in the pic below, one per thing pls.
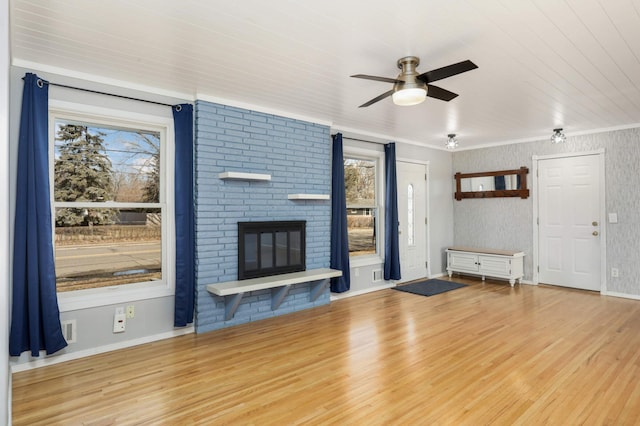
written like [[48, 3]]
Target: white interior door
[[412, 207], [569, 233]]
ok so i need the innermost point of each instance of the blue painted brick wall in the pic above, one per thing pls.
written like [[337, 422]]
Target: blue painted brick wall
[[297, 156]]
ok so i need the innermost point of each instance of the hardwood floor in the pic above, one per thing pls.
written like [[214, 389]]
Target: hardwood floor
[[483, 354]]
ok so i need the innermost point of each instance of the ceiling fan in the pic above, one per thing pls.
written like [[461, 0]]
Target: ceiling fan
[[411, 88]]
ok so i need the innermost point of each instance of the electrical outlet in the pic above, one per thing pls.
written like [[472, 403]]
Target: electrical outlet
[[131, 311], [615, 273], [119, 322], [69, 331]]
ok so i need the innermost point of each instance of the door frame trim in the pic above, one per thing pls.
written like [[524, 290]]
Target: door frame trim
[[603, 228], [427, 211]]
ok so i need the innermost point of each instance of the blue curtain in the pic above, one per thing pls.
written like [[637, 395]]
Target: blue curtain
[[500, 182], [339, 235], [35, 318], [391, 250], [184, 211]]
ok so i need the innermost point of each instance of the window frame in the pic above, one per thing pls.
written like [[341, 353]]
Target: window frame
[[378, 158], [88, 298], [411, 216]]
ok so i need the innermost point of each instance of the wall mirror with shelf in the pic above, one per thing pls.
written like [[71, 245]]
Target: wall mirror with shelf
[[500, 183]]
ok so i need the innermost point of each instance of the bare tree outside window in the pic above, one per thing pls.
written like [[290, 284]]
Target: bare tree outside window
[[360, 187], [108, 214]]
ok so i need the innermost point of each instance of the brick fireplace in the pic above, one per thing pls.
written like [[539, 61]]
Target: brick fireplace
[[295, 154]]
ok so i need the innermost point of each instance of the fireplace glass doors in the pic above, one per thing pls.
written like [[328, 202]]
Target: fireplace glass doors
[[270, 248]]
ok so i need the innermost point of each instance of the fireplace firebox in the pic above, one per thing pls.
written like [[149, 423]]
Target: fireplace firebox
[[270, 248]]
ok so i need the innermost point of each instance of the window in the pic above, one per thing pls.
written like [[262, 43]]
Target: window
[[360, 175], [110, 204], [410, 217]]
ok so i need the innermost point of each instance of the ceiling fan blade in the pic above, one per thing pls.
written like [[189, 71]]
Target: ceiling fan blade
[[376, 78], [440, 93], [377, 98], [448, 71]]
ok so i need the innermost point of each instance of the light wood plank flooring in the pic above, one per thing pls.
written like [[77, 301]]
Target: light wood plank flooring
[[483, 354]]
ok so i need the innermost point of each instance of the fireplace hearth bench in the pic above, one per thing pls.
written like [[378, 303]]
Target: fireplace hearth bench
[[279, 285]]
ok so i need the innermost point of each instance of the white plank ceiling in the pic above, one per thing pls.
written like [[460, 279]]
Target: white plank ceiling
[[542, 63]]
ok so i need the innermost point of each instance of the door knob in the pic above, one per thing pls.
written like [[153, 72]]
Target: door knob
[[595, 233], [594, 223]]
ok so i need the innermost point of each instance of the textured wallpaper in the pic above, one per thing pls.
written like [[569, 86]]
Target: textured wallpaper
[[506, 223]]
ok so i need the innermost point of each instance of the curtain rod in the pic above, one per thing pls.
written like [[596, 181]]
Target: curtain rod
[[361, 140], [110, 94], [103, 93]]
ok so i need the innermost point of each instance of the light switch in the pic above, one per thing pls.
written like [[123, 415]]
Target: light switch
[[613, 217]]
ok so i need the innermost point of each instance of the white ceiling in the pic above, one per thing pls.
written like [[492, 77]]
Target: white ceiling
[[542, 64]]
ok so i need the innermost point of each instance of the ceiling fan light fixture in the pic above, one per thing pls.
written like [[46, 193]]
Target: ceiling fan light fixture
[[558, 136], [452, 142], [411, 96]]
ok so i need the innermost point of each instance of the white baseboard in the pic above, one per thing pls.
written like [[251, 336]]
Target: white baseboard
[[56, 359], [622, 295]]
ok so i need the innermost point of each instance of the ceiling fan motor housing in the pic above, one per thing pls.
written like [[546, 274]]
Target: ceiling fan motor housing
[[407, 79]]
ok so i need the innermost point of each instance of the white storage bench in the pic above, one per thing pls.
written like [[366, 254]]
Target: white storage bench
[[486, 262], [279, 285]]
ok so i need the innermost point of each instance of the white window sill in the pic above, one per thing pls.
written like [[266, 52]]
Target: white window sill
[[360, 261]]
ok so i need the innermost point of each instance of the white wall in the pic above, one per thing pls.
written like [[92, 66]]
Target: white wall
[[5, 383]]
